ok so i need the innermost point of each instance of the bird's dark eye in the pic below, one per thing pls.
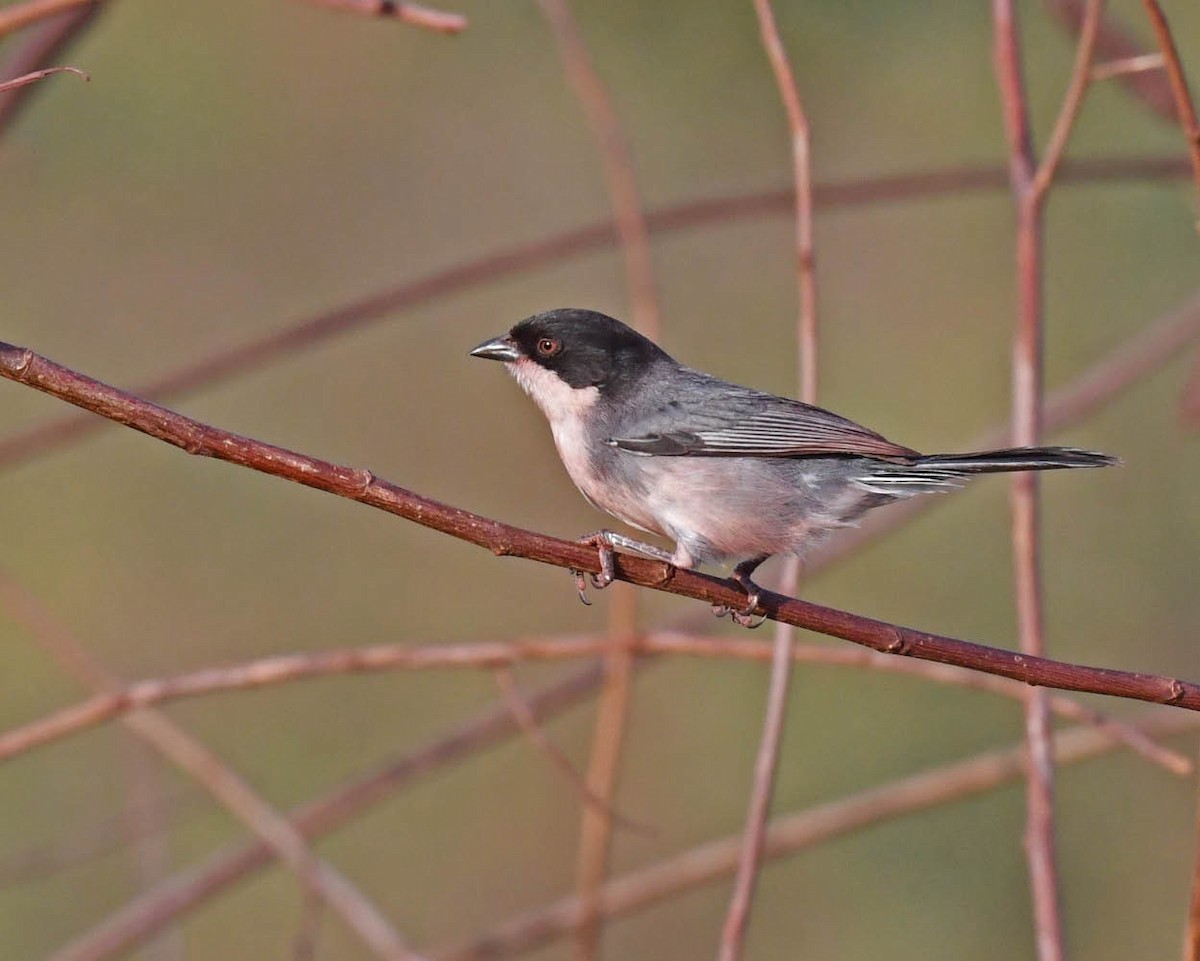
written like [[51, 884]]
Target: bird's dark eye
[[548, 346]]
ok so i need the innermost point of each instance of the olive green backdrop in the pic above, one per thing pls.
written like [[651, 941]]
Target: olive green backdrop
[[234, 165]]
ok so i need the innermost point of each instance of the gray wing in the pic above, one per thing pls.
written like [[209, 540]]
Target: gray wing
[[700, 416]]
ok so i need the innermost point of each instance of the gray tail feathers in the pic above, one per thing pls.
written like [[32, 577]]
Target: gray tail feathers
[[933, 473], [1016, 459]]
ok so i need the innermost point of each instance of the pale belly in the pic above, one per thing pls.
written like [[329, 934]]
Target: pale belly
[[713, 508]]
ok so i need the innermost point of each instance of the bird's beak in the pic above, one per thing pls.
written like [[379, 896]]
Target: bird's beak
[[498, 348]]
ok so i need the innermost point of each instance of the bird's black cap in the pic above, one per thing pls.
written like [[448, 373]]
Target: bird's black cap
[[583, 347]]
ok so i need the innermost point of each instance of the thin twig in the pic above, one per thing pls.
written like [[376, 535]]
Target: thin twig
[[794, 833], [175, 744], [1185, 109], [1142, 63], [1191, 933], [1189, 397], [309, 332], [526, 720], [672, 642], [37, 75], [617, 159], [304, 944], [488, 655], [1115, 44], [737, 917], [24, 366], [146, 915], [147, 825], [18, 15], [413, 14], [608, 737], [1030, 184], [1077, 88], [1096, 387], [40, 49], [616, 156]]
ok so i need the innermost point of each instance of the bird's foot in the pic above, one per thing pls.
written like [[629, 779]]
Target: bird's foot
[[744, 616], [604, 548], [605, 542]]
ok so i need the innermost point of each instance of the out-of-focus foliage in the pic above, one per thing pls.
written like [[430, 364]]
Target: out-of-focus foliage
[[234, 165]]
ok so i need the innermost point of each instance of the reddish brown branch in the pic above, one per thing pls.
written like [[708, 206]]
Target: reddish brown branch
[[608, 737], [789, 835], [1091, 391], [1115, 44], [1030, 185], [24, 366], [737, 917], [1191, 932], [499, 655], [224, 784], [38, 51], [18, 15], [18, 82], [145, 916], [625, 200], [527, 721], [1189, 398], [1185, 109], [1026, 427], [413, 14], [617, 158], [309, 332]]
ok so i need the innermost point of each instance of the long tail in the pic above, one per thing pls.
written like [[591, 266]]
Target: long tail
[[932, 473], [1017, 458]]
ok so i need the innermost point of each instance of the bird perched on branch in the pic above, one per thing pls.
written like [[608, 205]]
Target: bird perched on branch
[[729, 473]]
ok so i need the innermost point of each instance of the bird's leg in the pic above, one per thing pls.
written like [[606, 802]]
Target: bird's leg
[[741, 574], [605, 542]]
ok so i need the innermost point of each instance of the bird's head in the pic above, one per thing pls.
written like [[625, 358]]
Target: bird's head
[[566, 357]]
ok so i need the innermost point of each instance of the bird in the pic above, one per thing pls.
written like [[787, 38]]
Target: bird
[[730, 474]]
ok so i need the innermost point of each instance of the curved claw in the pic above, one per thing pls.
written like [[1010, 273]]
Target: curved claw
[[581, 586], [745, 616], [607, 573]]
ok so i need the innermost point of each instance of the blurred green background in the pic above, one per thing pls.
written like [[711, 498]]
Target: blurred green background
[[235, 165]]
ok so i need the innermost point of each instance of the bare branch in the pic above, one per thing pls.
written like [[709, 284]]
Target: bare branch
[[796, 832], [38, 50], [310, 332], [493, 655], [625, 199], [608, 736], [1115, 43], [1030, 183], [1077, 88], [1185, 109], [618, 163], [526, 720], [1142, 63], [37, 75], [1089, 392], [18, 15], [737, 918], [673, 642], [24, 366], [226, 786], [143, 917], [1191, 934]]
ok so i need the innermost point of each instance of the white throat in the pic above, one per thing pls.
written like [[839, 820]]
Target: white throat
[[558, 400]]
